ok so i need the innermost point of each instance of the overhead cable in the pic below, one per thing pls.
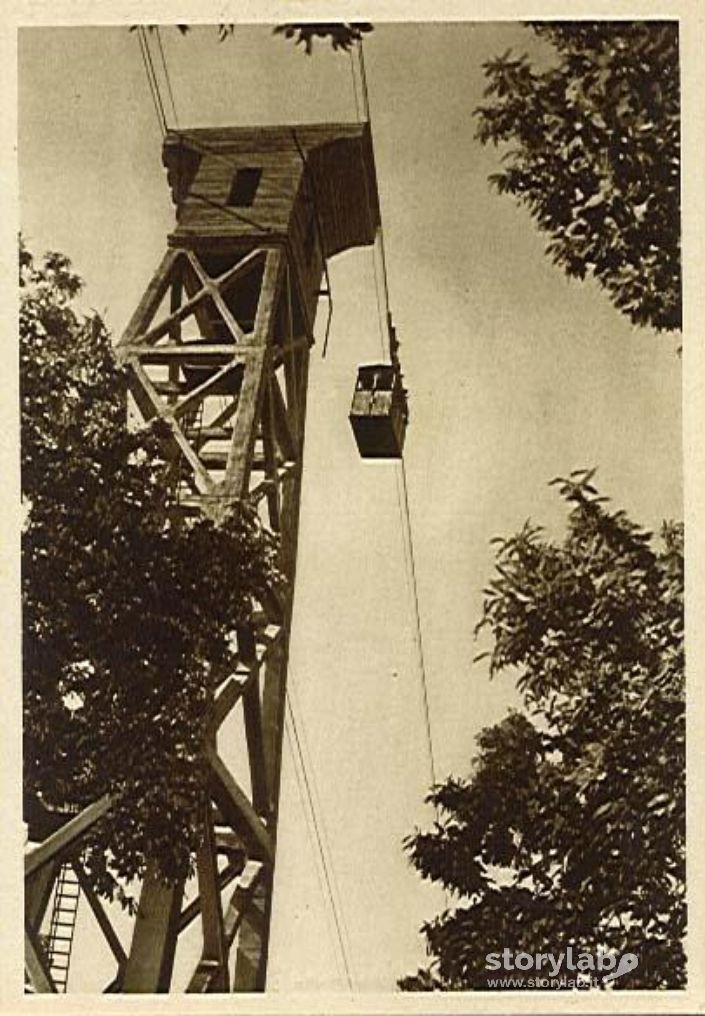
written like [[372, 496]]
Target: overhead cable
[[151, 78], [322, 852], [363, 79], [167, 78], [354, 81], [296, 765], [402, 488], [317, 800]]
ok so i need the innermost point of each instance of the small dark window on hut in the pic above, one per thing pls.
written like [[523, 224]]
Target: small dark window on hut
[[244, 186]]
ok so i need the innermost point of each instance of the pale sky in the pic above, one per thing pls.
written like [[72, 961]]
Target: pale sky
[[516, 375]]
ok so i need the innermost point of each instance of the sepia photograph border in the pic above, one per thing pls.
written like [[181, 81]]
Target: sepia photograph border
[[46, 13]]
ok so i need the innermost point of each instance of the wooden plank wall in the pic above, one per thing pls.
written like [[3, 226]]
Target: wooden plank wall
[[341, 166], [204, 212]]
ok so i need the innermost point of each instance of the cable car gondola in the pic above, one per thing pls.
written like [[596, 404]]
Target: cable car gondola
[[379, 412]]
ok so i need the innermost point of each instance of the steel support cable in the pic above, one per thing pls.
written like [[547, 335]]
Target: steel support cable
[[317, 802], [150, 83], [363, 80], [385, 277], [382, 249], [311, 830], [381, 293], [402, 488], [155, 78], [404, 530], [354, 82], [324, 861], [412, 585], [154, 91], [419, 634], [166, 75], [382, 308], [296, 764], [337, 917]]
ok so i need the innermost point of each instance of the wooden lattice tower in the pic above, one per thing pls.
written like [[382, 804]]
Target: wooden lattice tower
[[218, 351]]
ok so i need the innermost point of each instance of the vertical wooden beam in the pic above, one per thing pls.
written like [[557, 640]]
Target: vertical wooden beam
[[237, 471], [274, 694], [285, 440], [253, 941], [269, 449], [268, 302], [291, 363], [255, 749], [251, 966], [175, 330], [211, 974], [151, 959], [240, 901]]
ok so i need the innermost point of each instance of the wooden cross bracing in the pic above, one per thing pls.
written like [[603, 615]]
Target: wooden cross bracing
[[222, 373]]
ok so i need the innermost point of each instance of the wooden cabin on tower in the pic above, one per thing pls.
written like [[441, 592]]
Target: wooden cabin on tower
[[312, 188]]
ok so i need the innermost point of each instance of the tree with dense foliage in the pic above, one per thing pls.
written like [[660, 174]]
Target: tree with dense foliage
[[570, 829], [128, 616], [593, 151]]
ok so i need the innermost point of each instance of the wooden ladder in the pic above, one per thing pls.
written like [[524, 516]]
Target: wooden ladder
[[62, 927]]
